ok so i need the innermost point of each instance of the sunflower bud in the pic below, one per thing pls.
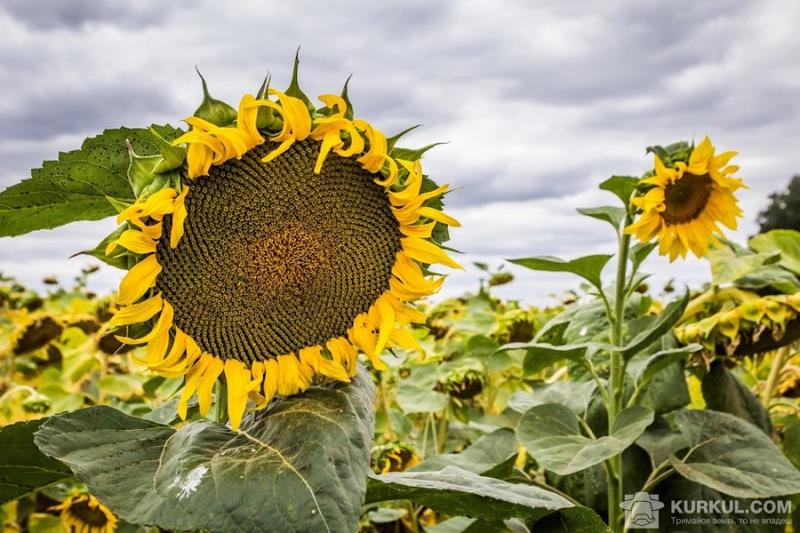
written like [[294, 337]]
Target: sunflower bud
[[141, 172]]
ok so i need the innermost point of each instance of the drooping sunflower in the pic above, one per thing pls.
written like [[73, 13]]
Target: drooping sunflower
[[272, 244], [85, 514], [688, 201]]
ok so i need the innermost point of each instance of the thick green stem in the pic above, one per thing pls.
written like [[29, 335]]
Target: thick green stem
[[221, 406], [617, 381]]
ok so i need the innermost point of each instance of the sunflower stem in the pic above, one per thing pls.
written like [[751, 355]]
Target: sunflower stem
[[617, 378], [778, 362], [221, 405]]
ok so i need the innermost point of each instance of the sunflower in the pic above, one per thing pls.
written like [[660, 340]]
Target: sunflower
[[687, 202], [85, 514], [272, 244]]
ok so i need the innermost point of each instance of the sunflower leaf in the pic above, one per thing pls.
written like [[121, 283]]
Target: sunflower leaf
[[733, 456], [550, 432], [78, 185], [455, 491], [589, 267], [606, 213], [658, 328], [23, 468], [621, 186]]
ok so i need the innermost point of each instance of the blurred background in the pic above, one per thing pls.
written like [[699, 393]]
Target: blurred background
[[538, 102]]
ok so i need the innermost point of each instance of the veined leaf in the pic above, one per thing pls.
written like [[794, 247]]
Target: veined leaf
[[299, 465], [660, 326], [23, 468], [574, 394], [723, 391], [588, 267], [491, 455], [785, 241], [606, 213], [458, 492], [78, 185], [643, 369], [621, 186], [550, 432], [733, 456]]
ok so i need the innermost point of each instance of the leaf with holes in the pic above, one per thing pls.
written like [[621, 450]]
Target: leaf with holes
[[79, 184]]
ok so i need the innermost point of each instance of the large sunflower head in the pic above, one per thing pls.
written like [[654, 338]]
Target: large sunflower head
[[85, 514], [273, 243], [690, 196]]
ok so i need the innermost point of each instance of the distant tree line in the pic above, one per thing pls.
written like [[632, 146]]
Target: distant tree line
[[783, 211]]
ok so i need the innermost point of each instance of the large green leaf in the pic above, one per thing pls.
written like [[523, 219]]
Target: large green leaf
[[658, 328], [300, 465], [550, 432], [573, 394], [458, 492], [589, 267], [23, 468], [491, 455], [724, 514], [733, 457], [541, 355], [785, 241], [78, 185], [416, 395], [117, 456], [643, 369], [723, 391], [731, 262]]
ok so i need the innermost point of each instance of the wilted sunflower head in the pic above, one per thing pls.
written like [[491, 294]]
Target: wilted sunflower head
[[393, 457], [35, 331], [690, 196], [84, 514], [273, 243]]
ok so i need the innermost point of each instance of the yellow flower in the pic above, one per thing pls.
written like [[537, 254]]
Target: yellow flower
[[687, 203], [84, 514], [281, 254]]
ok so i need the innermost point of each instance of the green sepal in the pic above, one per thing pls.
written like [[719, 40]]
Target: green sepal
[[213, 110], [141, 170], [349, 113], [266, 119], [119, 205], [391, 141], [172, 156], [294, 87], [672, 153], [410, 154], [119, 260]]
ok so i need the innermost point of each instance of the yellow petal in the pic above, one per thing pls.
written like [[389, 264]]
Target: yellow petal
[[205, 388], [178, 218], [138, 312], [238, 379], [426, 252], [138, 280]]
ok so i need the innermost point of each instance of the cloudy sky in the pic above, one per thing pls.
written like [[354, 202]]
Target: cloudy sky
[[539, 101]]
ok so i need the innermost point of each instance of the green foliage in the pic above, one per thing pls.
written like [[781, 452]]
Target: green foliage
[[23, 468], [552, 434], [588, 267], [193, 478], [732, 456], [79, 184]]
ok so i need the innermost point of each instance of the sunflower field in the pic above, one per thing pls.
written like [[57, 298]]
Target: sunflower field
[[276, 358]]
